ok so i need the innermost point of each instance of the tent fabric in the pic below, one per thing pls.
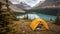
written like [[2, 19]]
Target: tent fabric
[[35, 23]]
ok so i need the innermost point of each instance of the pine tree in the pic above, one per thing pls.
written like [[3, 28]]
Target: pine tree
[[7, 26], [57, 21]]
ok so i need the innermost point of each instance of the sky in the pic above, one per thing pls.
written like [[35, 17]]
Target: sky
[[31, 3]]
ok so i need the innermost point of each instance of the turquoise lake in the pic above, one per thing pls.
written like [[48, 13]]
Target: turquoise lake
[[43, 16]]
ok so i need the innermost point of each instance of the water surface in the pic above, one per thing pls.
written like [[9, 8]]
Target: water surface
[[43, 16]]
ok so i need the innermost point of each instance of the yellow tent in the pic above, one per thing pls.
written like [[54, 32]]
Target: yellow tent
[[38, 21]]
